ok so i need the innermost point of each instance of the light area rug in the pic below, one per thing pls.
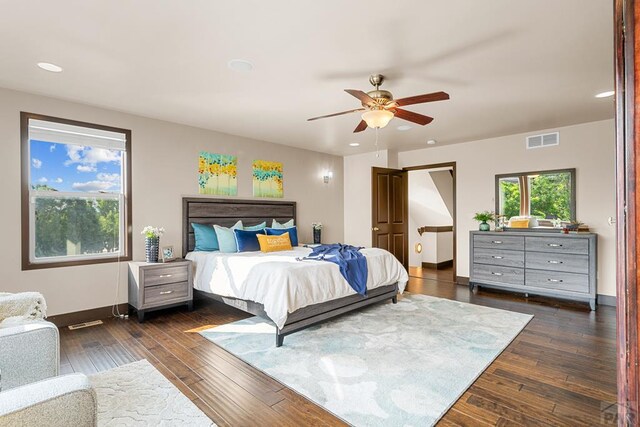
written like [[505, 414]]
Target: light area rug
[[399, 364], [137, 394]]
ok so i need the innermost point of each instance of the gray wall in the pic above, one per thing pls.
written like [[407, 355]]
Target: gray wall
[[164, 168]]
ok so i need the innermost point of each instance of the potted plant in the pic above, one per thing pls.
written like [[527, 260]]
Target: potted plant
[[317, 232], [482, 218], [152, 242]]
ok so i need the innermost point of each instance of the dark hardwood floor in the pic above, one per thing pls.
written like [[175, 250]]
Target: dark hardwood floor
[[443, 275], [561, 370]]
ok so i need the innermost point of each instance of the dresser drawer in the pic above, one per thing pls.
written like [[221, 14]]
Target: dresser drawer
[[557, 245], [558, 281], [570, 263], [499, 242], [166, 294], [494, 273], [501, 257], [160, 276]]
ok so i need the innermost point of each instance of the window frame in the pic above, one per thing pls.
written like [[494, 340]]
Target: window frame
[[26, 221], [527, 196]]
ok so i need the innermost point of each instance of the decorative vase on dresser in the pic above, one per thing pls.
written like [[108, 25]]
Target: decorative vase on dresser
[[540, 263], [484, 226], [152, 245]]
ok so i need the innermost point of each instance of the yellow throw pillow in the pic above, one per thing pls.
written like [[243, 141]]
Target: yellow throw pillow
[[519, 223], [274, 243]]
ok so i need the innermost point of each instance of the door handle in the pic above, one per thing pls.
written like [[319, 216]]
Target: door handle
[[375, 229]]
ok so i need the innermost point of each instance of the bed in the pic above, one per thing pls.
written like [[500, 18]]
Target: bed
[[292, 294]]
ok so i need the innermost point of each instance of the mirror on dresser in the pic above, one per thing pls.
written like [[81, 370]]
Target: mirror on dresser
[[537, 200]]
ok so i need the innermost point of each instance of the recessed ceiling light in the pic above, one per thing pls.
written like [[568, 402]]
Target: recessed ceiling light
[[605, 94], [50, 67], [404, 127], [240, 65], [355, 144], [431, 141]]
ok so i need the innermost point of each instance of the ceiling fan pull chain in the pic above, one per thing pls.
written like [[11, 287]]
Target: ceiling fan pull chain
[[377, 149]]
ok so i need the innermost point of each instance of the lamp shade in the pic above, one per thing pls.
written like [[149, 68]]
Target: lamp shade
[[377, 118]]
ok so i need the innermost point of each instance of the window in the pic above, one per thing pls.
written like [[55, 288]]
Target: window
[[76, 193], [546, 195]]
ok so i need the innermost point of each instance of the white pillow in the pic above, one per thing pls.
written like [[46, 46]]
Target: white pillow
[[276, 224]]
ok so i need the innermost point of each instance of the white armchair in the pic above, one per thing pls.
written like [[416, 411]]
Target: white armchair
[[31, 392]]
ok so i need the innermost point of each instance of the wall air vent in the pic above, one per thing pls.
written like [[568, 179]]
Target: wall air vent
[[545, 140]]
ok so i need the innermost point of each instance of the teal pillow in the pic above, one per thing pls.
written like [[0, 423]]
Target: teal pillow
[[276, 224], [226, 238], [256, 227], [206, 239]]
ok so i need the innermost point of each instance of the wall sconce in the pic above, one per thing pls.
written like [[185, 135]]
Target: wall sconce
[[326, 176], [418, 248]]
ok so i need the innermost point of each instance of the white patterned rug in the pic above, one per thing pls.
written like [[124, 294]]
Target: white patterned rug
[[399, 364], [137, 394]]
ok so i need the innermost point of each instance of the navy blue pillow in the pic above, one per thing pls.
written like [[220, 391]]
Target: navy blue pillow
[[247, 240], [205, 235], [293, 233]]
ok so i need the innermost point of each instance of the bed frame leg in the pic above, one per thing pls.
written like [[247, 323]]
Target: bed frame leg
[[279, 340], [394, 299]]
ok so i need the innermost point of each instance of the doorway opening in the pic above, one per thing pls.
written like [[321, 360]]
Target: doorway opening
[[431, 221]]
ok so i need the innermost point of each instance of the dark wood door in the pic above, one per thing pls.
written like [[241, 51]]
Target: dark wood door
[[627, 41], [389, 222]]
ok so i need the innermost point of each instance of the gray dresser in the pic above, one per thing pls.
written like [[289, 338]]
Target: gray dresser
[[550, 264], [153, 286]]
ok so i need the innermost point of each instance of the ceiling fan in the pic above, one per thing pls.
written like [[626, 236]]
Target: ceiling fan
[[379, 106]]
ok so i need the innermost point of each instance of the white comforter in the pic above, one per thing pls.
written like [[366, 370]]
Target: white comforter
[[282, 284]]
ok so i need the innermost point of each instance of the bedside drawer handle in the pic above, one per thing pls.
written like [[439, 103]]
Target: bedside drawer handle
[[497, 257], [496, 274], [166, 275], [555, 280], [554, 245], [165, 292], [555, 262], [497, 242]]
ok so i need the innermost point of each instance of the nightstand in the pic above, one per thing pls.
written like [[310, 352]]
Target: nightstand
[[153, 286]]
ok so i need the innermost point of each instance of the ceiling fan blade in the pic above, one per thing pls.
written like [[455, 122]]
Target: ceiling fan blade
[[420, 99], [335, 114], [413, 117], [363, 97], [361, 126]]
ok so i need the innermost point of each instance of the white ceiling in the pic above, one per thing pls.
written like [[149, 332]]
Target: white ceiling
[[509, 66]]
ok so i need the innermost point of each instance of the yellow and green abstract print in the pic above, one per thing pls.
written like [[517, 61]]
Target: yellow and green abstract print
[[267, 179], [217, 174]]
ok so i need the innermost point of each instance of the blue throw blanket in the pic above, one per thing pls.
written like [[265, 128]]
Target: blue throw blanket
[[353, 265]]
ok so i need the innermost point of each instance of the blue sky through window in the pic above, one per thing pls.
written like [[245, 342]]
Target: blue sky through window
[[75, 168]]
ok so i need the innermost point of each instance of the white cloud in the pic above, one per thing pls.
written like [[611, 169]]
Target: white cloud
[[86, 168], [52, 148], [43, 180], [110, 177], [37, 163], [90, 155], [58, 180], [92, 186]]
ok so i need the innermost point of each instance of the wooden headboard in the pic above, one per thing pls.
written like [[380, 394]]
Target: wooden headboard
[[226, 212]]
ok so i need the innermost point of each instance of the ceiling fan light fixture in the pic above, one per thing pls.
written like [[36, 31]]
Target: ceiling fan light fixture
[[377, 118]]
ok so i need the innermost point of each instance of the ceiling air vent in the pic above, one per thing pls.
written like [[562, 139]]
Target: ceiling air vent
[[545, 140]]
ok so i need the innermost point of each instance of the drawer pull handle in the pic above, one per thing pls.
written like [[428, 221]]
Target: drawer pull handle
[[166, 275], [496, 274], [555, 262], [555, 280], [497, 242], [165, 292], [497, 257], [554, 245]]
